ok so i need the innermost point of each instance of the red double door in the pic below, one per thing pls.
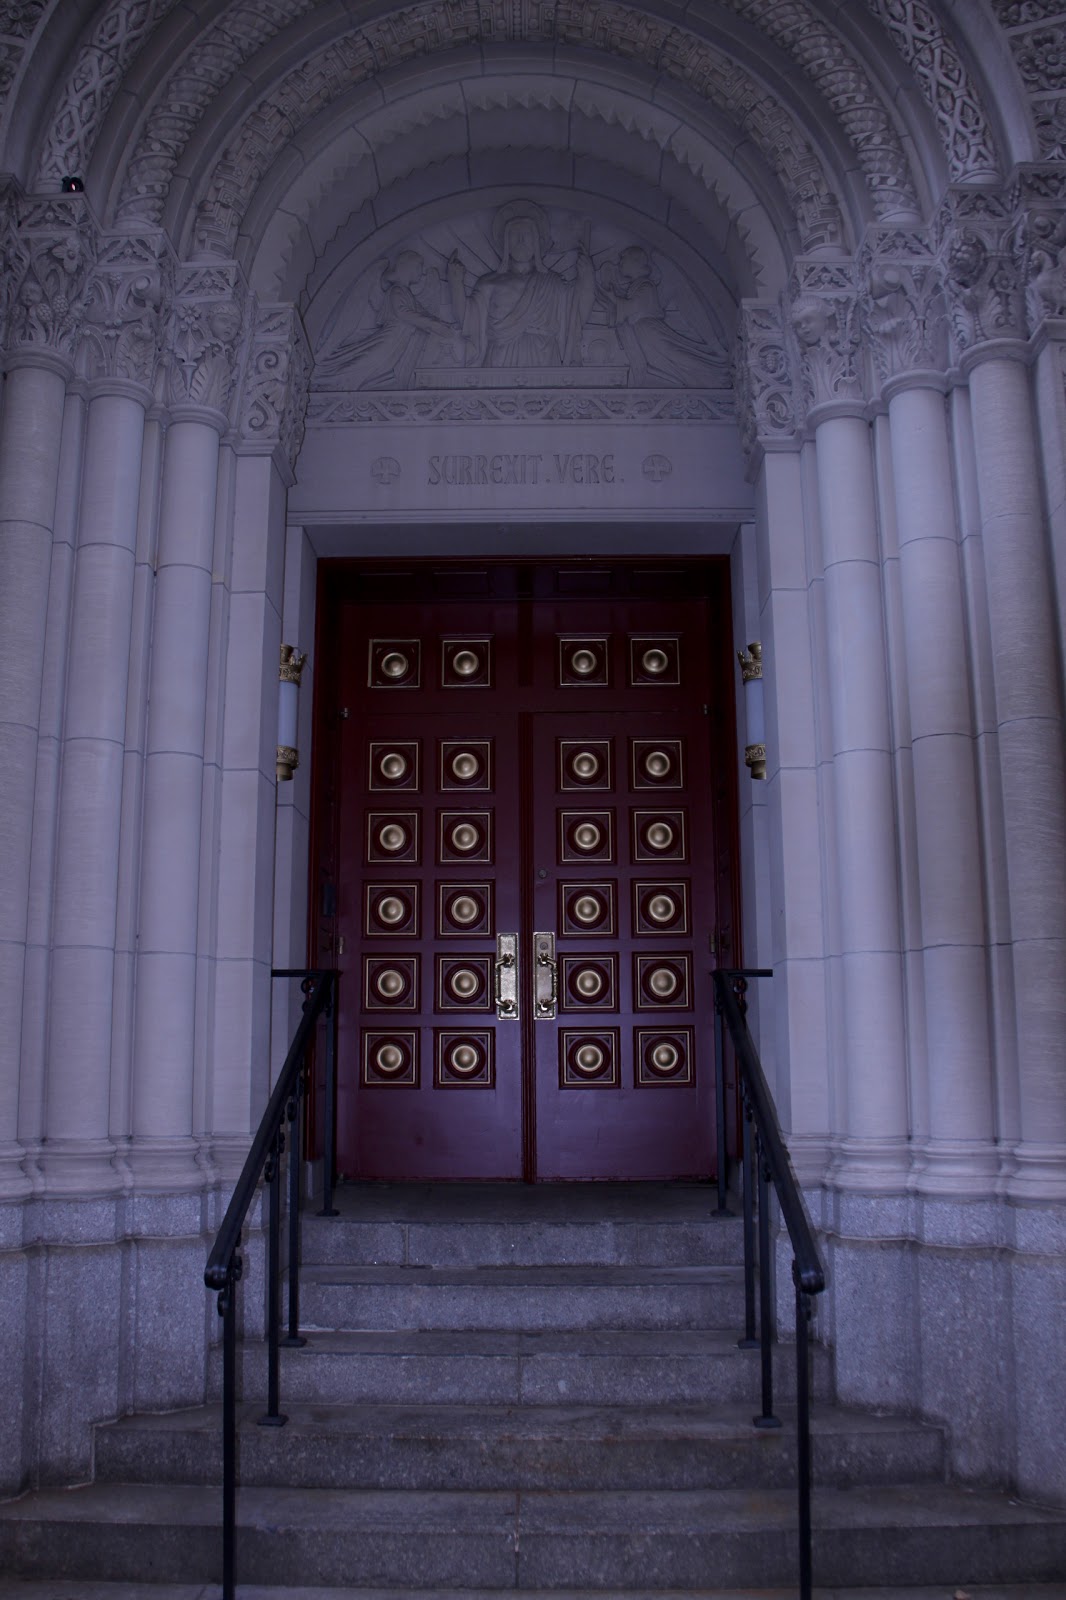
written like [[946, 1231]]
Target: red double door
[[527, 887]]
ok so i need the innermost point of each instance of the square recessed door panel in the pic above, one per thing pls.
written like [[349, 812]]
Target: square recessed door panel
[[659, 835], [390, 983], [394, 764], [661, 907], [464, 1058], [589, 983], [464, 910], [465, 764], [583, 663], [584, 764], [466, 663], [392, 836], [589, 1058], [394, 664], [662, 983], [390, 1058], [588, 909], [586, 836], [663, 1057], [463, 836], [657, 763], [392, 911], [654, 661], [464, 983]]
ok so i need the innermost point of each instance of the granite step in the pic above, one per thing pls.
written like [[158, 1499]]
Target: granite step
[[633, 1541], [603, 1366], [540, 1447], [339, 1295]]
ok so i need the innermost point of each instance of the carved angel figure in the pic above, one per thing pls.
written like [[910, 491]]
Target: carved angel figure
[[657, 353], [525, 314], [387, 355]]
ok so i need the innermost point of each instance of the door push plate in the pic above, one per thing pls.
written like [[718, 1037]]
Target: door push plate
[[506, 979], [545, 976]]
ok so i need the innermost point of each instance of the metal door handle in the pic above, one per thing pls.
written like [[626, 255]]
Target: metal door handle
[[506, 977], [545, 976]]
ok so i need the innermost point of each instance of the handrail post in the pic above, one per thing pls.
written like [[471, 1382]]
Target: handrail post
[[748, 1167], [273, 1417], [722, 1209], [803, 1435], [329, 1139], [227, 1310], [766, 1307], [293, 1338]]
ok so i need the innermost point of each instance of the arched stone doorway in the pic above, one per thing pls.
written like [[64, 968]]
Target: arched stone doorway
[[866, 204]]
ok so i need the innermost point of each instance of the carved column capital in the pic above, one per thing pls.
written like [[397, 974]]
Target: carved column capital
[[982, 269], [823, 313], [204, 341], [273, 401], [901, 302], [763, 379], [129, 293], [52, 251]]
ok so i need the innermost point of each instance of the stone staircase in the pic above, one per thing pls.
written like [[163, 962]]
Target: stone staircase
[[535, 1389]]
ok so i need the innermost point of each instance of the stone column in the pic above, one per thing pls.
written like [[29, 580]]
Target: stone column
[[792, 1010], [203, 336], [905, 328], [988, 321], [47, 267], [872, 1083]]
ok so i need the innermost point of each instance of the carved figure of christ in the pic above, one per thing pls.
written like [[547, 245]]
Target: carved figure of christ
[[526, 314]]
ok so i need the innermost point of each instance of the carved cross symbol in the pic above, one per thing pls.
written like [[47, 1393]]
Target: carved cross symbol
[[384, 469], [657, 468]]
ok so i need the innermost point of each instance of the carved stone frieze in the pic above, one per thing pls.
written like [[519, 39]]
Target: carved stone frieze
[[123, 325], [1036, 30], [274, 396], [536, 405], [763, 378], [824, 318], [915, 29], [904, 318], [53, 251], [203, 342], [118, 33], [982, 268]]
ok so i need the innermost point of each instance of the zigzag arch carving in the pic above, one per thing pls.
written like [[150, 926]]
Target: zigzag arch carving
[[431, 27]]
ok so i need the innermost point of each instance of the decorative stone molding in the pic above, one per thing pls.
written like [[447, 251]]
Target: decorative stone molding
[[328, 409], [977, 231], [824, 316], [50, 275], [204, 338], [1039, 202], [120, 30], [1037, 34], [824, 59], [763, 379], [392, 39], [915, 30], [274, 397], [903, 316], [123, 324]]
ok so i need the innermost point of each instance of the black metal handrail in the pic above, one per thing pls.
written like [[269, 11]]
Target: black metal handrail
[[765, 1162], [225, 1265]]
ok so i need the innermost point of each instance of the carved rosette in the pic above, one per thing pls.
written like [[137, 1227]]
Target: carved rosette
[[823, 313], [982, 269], [274, 399], [204, 338], [904, 320], [123, 327], [763, 378], [52, 261]]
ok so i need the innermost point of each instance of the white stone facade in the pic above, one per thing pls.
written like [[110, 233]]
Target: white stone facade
[[835, 350]]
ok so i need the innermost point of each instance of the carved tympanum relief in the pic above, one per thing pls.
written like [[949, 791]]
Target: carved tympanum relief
[[516, 298]]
